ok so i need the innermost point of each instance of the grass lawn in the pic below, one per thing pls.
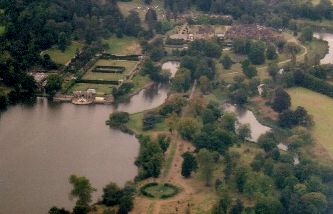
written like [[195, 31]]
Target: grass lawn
[[62, 58], [123, 46], [2, 30], [321, 108], [247, 152], [129, 66], [141, 8], [139, 82], [101, 89], [5, 89], [135, 124]]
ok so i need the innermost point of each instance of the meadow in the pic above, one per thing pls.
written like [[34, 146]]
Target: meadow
[[321, 108], [63, 58], [123, 46]]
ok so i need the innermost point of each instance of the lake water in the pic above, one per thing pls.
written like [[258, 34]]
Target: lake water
[[171, 66], [245, 116], [43, 144], [329, 38]]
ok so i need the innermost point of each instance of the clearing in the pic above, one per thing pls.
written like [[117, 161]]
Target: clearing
[[321, 108], [123, 46], [141, 8], [63, 58], [2, 30]]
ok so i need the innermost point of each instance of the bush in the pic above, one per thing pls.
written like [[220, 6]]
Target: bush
[[118, 118]]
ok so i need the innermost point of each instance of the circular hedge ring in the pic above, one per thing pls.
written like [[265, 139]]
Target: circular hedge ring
[[159, 191]]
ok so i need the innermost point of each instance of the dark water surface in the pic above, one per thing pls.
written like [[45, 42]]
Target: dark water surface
[[43, 144]]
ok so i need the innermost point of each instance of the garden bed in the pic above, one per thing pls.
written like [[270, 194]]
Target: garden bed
[[159, 191]]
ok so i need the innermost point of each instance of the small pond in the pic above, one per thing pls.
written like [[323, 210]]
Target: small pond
[[329, 38], [245, 116], [171, 66]]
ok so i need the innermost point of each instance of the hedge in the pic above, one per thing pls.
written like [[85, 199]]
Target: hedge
[[313, 83], [109, 69], [116, 57], [104, 82]]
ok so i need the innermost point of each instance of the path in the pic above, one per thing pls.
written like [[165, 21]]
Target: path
[[144, 205], [193, 90]]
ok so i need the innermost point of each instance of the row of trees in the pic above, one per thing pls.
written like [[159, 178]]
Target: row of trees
[[120, 200]]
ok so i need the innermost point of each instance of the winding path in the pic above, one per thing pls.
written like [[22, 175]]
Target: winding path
[[263, 68], [145, 205]]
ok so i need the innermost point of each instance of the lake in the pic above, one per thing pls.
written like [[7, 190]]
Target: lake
[[329, 38], [41, 145]]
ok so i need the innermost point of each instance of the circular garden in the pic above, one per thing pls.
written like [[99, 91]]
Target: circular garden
[[159, 191]]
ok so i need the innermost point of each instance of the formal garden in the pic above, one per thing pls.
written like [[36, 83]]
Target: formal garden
[[159, 191]]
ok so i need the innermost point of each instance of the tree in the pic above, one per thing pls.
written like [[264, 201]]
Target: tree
[[3, 100], [268, 205], [267, 141], [151, 18], [111, 194], [272, 69], [117, 119], [164, 142], [227, 62], [188, 128], [316, 201], [238, 207], [82, 190], [271, 52], [126, 204], [307, 34], [55, 210], [223, 204], [132, 25], [206, 165], [150, 158], [204, 84], [239, 97], [62, 41], [244, 132], [53, 84], [257, 53], [290, 118], [154, 72], [241, 176], [250, 71], [292, 48], [189, 164], [182, 80], [228, 121], [281, 100]]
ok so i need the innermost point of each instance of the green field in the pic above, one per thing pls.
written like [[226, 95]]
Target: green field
[[123, 46], [62, 58], [2, 30], [321, 108], [135, 123], [129, 66]]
